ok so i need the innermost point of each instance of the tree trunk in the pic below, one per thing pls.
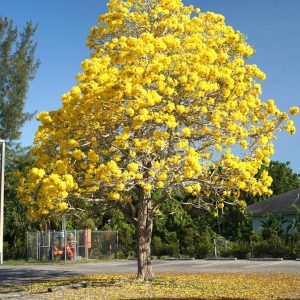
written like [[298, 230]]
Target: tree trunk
[[144, 234]]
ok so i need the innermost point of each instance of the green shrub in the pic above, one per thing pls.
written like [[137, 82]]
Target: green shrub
[[293, 250], [172, 249], [296, 251], [120, 255], [131, 254], [277, 247], [157, 246], [226, 252], [188, 248], [205, 248], [274, 246], [168, 248], [190, 251], [240, 250], [260, 249]]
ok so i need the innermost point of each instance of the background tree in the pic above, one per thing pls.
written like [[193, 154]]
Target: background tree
[[284, 179], [165, 97], [15, 221], [126, 233], [17, 68]]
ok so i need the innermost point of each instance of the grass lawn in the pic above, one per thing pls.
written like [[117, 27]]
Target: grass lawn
[[18, 262], [169, 286]]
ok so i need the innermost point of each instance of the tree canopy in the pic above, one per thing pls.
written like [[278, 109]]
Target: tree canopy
[[284, 179], [166, 101], [17, 67]]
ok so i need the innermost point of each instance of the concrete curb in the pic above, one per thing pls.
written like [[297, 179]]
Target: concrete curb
[[221, 258], [267, 259]]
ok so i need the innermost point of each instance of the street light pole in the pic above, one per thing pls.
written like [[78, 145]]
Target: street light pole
[[2, 198]]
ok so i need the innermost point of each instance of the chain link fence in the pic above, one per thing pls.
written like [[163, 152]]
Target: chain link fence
[[220, 244], [71, 245]]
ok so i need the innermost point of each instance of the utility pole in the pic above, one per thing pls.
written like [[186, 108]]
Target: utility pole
[[2, 198]]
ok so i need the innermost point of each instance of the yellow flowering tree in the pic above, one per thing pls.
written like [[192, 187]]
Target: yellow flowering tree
[[166, 101]]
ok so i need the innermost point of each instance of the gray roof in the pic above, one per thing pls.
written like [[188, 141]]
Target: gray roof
[[277, 204]]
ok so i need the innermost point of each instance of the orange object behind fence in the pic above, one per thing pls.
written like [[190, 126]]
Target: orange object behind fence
[[57, 251], [87, 233], [70, 250]]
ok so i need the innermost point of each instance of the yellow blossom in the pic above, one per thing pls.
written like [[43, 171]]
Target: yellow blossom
[[133, 167], [294, 110], [186, 131]]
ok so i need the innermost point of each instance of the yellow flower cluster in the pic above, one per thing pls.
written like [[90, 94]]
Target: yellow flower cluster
[[165, 96], [53, 189], [294, 110]]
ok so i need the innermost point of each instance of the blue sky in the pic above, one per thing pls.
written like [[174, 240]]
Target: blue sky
[[272, 27]]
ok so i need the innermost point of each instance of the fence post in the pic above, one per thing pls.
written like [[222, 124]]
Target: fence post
[[215, 244], [50, 254], [116, 255], [86, 245], [65, 244], [41, 243], [75, 244], [27, 246], [37, 245]]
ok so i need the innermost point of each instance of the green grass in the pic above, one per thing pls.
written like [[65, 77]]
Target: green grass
[[17, 262]]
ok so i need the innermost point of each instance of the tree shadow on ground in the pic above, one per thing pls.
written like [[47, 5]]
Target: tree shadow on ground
[[16, 276]]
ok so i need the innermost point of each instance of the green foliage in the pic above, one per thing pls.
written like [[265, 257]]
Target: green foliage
[[126, 234], [182, 229], [272, 226], [271, 242], [169, 246], [240, 249], [172, 244], [17, 67], [188, 243], [204, 247], [171, 226], [284, 179], [15, 222], [233, 224], [293, 245], [294, 226], [157, 246], [274, 246]]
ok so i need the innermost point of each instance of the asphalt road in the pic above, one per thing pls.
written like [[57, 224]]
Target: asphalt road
[[30, 273]]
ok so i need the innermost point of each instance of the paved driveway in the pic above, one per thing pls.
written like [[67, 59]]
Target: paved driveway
[[29, 273]]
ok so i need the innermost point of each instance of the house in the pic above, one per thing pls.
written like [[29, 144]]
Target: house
[[283, 205]]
